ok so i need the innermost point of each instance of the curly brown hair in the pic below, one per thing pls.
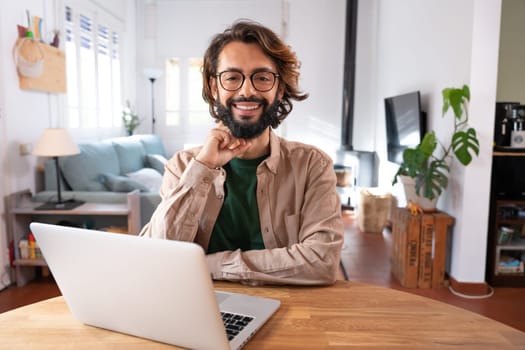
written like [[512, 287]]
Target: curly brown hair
[[247, 31]]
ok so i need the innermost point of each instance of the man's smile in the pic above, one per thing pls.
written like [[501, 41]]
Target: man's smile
[[246, 106]]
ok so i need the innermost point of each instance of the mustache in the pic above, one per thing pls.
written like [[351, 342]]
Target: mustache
[[246, 99]]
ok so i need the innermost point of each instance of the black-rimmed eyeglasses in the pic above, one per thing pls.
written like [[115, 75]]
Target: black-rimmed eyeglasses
[[262, 81]]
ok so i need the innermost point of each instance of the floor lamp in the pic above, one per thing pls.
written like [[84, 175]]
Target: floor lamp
[[152, 74], [56, 142]]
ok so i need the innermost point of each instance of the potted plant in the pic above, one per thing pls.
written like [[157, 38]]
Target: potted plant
[[427, 170], [130, 119]]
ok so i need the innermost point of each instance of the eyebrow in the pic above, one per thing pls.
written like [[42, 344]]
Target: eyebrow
[[256, 70]]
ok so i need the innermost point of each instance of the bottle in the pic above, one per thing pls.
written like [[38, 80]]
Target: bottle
[[23, 246], [32, 246], [504, 132], [503, 123]]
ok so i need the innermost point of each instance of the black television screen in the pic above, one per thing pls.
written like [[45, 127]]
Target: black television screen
[[405, 124]]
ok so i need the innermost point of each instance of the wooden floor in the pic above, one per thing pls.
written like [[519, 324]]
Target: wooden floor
[[366, 258]]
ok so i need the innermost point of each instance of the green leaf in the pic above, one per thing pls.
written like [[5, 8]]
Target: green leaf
[[463, 143], [433, 180], [428, 144], [466, 92], [455, 98]]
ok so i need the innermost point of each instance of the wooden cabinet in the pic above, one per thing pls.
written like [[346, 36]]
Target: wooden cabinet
[[506, 236], [21, 212]]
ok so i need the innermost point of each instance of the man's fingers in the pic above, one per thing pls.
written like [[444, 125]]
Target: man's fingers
[[236, 143]]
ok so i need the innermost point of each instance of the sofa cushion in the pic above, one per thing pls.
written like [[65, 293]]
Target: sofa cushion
[[131, 154], [152, 144], [82, 171], [157, 162], [118, 183], [150, 178]]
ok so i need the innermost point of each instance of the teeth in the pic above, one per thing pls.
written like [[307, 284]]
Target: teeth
[[247, 108]]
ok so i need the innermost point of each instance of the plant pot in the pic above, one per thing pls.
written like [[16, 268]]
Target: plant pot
[[409, 185]]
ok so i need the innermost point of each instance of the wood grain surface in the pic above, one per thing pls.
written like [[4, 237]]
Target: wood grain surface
[[345, 315]]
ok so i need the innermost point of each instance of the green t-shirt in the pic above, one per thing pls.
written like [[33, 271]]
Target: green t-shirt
[[238, 226]]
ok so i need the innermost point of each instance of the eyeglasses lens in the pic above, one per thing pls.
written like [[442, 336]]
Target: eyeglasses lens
[[261, 81]]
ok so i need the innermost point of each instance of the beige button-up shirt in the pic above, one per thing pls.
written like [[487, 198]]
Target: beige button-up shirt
[[299, 211]]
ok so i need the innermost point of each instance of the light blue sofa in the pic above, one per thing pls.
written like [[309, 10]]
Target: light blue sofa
[[105, 171]]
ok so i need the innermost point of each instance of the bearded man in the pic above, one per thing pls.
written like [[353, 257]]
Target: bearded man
[[264, 209]]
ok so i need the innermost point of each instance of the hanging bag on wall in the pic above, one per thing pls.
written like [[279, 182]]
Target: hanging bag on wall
[[29, 57]]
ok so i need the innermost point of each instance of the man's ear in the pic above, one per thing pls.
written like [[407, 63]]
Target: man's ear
[[213, 88], [280, 92]]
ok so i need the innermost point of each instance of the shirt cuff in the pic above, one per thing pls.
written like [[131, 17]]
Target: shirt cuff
[[214, 262]]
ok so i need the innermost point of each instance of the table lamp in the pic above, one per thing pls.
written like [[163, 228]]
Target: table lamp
[[56, 142]]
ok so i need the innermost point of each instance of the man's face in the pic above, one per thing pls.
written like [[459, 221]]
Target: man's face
[[247, 112]]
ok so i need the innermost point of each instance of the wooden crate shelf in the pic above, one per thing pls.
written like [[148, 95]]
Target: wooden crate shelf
[[419, 248]]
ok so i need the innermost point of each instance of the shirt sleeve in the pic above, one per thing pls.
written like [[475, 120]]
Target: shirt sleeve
[[182, 201]]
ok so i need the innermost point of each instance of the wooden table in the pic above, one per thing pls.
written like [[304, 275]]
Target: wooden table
[[341, 316]]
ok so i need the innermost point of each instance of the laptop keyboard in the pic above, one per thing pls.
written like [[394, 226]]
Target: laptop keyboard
[[234, 323]]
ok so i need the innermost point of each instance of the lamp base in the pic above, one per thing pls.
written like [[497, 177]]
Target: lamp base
[[64, 205]]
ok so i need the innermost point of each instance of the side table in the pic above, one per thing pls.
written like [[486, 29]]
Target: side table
[[419, 246], [21, 212]]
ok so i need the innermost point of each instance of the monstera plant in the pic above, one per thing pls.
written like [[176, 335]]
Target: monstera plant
[[427, 165]]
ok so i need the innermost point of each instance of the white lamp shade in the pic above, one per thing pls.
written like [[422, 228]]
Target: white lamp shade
[[152, 73], [55, 142]]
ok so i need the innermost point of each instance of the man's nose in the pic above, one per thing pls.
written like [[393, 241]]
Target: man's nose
[[247, 88]]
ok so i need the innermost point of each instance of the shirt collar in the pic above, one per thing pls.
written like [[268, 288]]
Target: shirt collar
[[272, 162]]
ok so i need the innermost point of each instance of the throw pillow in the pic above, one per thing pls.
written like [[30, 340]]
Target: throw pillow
[[147, 177], [131, 154], [157, 162], [117, 183], [82, 171], [152, 144]]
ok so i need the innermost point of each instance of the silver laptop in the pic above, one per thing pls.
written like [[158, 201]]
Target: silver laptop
[[151, 288]]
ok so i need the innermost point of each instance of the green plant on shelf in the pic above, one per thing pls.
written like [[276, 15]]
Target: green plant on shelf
[[130, 119]]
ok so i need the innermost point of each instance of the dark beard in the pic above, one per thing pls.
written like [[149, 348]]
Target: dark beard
[[243, 130]]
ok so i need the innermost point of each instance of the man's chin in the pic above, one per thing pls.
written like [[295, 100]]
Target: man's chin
[[246, 121], [247, 126]]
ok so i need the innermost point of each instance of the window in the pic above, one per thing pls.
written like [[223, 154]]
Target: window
[[172, 92], [93, 71], [184, 103], [198, 111], [187, 115]]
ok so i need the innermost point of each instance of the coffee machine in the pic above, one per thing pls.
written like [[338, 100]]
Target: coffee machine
[[503, 123], [517, 135]]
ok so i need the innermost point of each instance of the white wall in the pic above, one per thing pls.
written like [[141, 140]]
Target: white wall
[[427, 46], [470, 237], [316, 31], [24, 113]]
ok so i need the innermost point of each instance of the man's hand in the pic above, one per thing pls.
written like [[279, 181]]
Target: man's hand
[[220, 147]]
